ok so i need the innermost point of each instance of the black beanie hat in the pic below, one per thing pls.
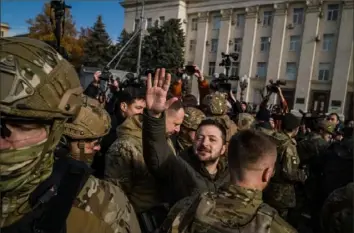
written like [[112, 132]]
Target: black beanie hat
[[290, 122]]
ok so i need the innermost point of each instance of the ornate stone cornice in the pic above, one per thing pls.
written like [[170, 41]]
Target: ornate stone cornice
[[203, 17], [281, 8], [226, 14], [252, 11], [348, 4], [315, 6]]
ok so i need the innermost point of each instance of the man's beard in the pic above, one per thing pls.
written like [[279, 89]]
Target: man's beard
[[213, 158]]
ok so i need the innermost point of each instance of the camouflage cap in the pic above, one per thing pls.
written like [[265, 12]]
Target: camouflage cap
[[327, 126], [192, 118], [215, 103], [35, 81], [91, 122], [245, 121]]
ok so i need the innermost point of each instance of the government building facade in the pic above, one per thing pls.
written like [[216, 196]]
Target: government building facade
[[307, 43]]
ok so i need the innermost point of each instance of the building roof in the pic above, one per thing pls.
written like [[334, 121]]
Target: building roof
[[5, 25]]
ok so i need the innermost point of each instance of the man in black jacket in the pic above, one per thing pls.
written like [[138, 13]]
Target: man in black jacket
[[199, 168]]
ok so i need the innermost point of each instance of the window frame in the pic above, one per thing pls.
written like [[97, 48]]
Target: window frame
[[333, 14], [327, 45], [297, 44], [214, 45], [240, 23], [238, 43], [268, 18], [264, 44], [192, 45], [298, 15], [324, 71], [194, 24], [216, 22], [235, 66], [294, 66], [265, 69], [212, 66]]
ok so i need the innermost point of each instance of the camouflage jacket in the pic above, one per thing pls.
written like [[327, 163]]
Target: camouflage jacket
[[102, 207], [280, 193], [125, 165], [337, 212], [231, 209], [311, 148]]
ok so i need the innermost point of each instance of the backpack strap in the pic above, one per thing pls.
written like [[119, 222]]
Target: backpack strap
[[74, 176]]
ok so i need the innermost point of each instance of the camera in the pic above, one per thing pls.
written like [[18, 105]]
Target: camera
[[222, 84], [272, 87]]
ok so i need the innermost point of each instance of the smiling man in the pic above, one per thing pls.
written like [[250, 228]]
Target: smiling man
[[198, 168]]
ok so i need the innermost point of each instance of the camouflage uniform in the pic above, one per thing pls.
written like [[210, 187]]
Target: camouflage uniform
[[216, 108], [231, 209], [38, 85], [125, 165], [192, 118], [337, 213], [281, 191], [102, 207]]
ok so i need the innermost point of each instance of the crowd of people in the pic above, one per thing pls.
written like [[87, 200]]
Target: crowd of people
[[151, 159]]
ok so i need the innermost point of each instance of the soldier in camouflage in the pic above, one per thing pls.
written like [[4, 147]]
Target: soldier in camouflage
[[192, 118], [337, 213], [281, 191], [40, 91], [83, 135], [238, 206], [216, 108]]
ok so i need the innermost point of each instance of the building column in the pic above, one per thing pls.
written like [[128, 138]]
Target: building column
[[203, 19], [224, 37], [307, 57], [248, 45], [277, 44], [343, 62]]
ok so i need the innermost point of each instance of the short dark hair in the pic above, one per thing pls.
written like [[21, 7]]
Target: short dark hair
[[247, 148], [177, 105], [128, 96], [217, 125], [189, 100]]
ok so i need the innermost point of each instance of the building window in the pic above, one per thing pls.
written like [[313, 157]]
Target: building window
[[162, 20], [235, 67], [192, 44], [298, 15], [2, 33], [149, 23], [216, 23], [265, 42], [214, 45], [324, 71], [327, 42], [136, 24], [194, 24], [294, 43], [332, 12], [240, 20], [211, 71], [262, 69], [267, 18], [238, 45], [291, 71]]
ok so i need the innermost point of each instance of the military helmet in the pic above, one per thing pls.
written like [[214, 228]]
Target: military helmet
[[192, 118], [327, 126], [245, 121], [215, 103], [91, 122], [35, 81]]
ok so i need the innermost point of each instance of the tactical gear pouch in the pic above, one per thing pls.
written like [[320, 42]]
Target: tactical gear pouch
[[152, 219]]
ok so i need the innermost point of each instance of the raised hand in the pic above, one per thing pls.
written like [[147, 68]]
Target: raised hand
[[156, 92]]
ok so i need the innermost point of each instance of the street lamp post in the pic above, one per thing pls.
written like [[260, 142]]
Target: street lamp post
[[243, 85]]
